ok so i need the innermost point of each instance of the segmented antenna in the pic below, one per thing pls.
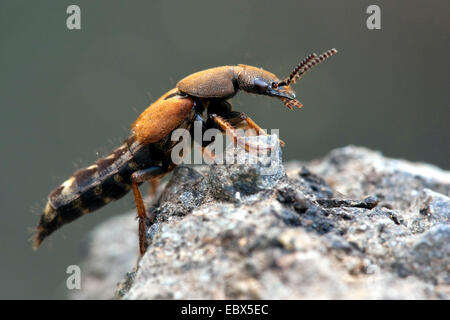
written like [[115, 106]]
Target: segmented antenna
[[307, 65], [288, 80]]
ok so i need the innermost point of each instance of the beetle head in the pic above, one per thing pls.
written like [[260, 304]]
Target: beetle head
[[259, 81]]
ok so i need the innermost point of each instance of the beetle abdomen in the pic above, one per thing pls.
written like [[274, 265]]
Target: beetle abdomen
[[87, 190]]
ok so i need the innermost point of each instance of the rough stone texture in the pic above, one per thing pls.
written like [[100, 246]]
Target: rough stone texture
[[112, 253], [353, 225]]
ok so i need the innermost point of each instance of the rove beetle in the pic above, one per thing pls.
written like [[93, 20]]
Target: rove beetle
[[146, 154]]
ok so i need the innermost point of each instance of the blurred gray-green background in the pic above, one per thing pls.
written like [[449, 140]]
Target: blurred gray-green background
[[68, 96]]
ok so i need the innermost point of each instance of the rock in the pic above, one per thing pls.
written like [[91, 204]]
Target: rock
[[249, 174], [112, 253], [429, 258], [353, 225]]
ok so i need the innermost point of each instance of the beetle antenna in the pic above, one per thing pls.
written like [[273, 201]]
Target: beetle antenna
[[288, 80], [307, 64]]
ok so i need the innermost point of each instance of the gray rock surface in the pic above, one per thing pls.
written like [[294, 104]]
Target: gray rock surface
[[111, 254], [353, 225]]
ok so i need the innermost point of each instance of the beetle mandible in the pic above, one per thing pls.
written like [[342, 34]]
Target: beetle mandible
[[146, 154]]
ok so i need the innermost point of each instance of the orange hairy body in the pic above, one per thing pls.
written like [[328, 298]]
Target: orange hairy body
[[162, 117]]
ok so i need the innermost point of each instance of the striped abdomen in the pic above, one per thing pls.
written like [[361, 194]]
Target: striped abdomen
[[91, 188]]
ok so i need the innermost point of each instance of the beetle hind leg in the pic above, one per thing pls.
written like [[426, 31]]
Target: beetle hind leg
[[136, 178]]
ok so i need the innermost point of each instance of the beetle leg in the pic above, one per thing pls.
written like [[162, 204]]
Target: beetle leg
[[136, 178], [234, 117], [229, 129], [252, 124]]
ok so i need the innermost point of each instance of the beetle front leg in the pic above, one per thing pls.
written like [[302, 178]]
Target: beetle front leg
[[230, 131], [253, 125], [136, 178], [234, 117]]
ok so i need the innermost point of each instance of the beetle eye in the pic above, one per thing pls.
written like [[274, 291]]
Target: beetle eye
[[260, 85], [274, 85]]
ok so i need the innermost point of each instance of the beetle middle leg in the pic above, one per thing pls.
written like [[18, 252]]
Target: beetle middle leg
[[136, 178]]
